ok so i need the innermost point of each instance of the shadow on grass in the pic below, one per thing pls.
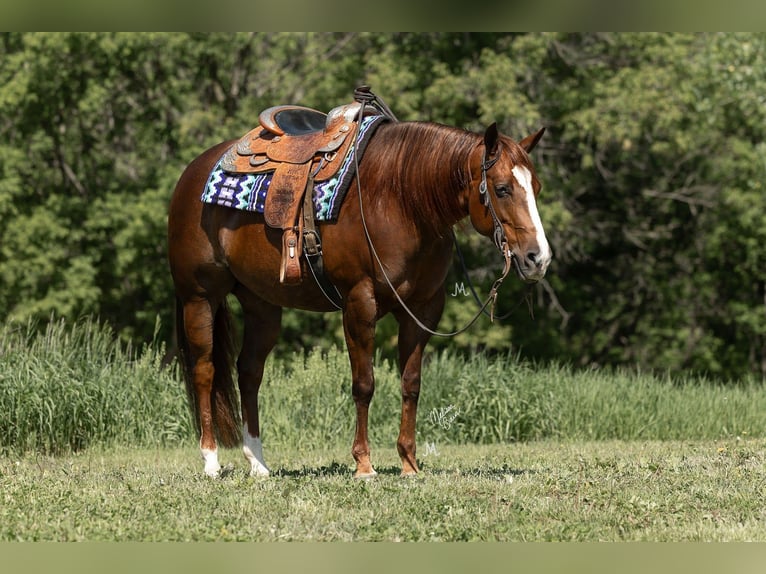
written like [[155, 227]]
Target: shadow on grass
[[333, 469], [336, 469], [494, 473]]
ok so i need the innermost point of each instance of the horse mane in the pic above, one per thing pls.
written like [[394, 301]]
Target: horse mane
[[424, 165]]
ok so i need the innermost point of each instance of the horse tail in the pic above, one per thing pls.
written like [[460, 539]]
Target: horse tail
[[226, 413], [223, 399]]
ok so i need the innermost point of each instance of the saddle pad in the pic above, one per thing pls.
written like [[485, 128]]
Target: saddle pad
[[248, 191]]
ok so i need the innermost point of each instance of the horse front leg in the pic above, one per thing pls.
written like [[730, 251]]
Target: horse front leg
[[412, 342], [261, 331], [359, 318]]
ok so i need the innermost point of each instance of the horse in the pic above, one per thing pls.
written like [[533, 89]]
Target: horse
[[389, 251]]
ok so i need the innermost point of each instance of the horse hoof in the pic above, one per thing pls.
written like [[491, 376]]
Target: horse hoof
[[365, 475], [260, 472]]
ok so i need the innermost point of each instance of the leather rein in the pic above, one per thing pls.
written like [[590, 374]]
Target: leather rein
[[365, 96]]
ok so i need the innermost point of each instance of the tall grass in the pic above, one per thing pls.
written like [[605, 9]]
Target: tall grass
[[503, 399], [69, 387]]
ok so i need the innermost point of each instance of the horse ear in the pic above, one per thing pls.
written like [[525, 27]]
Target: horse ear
[[491, 137], [529, 142]]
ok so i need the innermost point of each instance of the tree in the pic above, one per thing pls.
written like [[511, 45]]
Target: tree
[[652, 170]]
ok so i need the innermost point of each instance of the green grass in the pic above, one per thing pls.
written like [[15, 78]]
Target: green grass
[[69, 388], [537, 491], [96, 443], [66, 388]]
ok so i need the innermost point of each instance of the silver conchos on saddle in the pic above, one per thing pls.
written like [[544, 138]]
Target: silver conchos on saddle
[[282, 137]]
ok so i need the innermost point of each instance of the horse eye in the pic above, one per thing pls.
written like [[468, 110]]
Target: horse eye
[[501, 190]]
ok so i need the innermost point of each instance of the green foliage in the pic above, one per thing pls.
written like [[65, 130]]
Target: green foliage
[[652, 171], [659, 141], [67, 388]]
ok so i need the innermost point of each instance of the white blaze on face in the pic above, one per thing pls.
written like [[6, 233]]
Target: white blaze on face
[[253, 450], [524, 177]]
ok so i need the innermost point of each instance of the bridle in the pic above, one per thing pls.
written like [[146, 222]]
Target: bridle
[[501, 242], [498, 234], [365, 96]]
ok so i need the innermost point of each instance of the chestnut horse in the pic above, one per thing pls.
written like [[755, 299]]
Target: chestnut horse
[[415, 181]]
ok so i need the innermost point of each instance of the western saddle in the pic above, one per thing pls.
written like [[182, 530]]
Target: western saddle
[[300, 146]]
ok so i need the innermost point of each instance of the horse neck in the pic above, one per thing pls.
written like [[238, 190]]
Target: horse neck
[[426, 168]]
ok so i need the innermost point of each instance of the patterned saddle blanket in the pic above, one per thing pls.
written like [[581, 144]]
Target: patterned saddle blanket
[[248, 191]]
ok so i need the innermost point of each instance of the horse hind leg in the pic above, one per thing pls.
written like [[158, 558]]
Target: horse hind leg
[[205, 341], [261, 331]]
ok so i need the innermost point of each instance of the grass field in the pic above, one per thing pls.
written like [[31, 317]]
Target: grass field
[[70, 388], [539, 491], [96, 443]]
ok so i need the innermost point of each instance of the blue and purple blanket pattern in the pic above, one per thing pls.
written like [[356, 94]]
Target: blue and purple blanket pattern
[[248, 191]]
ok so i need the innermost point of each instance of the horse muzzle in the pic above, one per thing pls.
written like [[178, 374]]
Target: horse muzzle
[[531, 266]]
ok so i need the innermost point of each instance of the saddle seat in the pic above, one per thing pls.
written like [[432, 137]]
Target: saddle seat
[[300, 146], [293, 135], [292, 120]]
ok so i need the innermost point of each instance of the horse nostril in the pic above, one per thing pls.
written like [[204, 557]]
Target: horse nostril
[[533, 257]]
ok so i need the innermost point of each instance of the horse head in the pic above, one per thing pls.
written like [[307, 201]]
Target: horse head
[[504, 203]]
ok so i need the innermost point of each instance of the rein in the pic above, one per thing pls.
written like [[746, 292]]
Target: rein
[[475, 295], [365, 96]]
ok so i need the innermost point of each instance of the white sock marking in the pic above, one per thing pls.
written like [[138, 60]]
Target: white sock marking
[[524, 177], [253, 450], [212, 468]]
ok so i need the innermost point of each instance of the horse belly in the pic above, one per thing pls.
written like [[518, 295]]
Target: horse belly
[[253, 255], [305, 296]]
